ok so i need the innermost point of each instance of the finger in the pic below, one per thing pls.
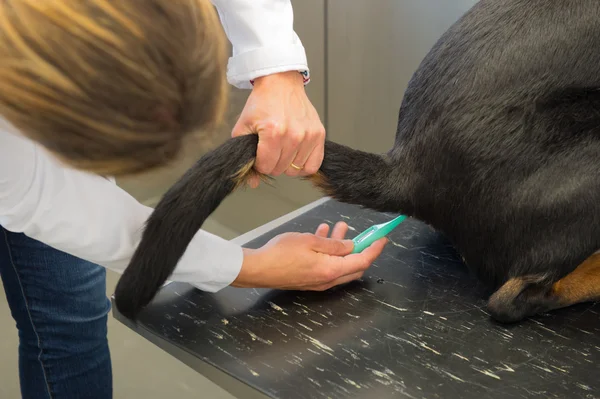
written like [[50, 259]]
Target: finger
[[339, 281], [291, 142], [330, 246], [304, 151], [325, 286], [266, 158], [268, 153], [322, 230], [339, 231], [362, 261], [315, 159]]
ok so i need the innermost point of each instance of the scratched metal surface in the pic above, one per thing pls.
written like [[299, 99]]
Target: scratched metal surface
[[415, 327]]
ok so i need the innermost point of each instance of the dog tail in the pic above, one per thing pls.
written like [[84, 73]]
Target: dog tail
[[358, 178], [347, 175], [179, 215]]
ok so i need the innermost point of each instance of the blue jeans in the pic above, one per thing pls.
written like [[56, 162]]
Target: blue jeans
[[60, 307]]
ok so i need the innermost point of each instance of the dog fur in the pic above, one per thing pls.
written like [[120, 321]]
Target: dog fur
[[497, 147]]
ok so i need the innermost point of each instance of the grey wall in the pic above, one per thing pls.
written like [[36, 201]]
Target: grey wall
[[373, 48]]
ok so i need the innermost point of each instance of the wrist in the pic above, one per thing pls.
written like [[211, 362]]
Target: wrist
[[250, 271], [288, 77]]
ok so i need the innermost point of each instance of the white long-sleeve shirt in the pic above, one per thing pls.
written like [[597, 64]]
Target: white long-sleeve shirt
[[263, 38], [91, 217]]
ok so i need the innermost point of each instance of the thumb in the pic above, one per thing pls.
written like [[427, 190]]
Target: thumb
[[254, 181], [330, 246], [241, 128]]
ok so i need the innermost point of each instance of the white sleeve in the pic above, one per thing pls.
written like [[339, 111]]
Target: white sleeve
[[263, 39], [91, 217]]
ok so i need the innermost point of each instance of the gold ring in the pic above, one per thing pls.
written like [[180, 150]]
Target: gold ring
[[295, 167]]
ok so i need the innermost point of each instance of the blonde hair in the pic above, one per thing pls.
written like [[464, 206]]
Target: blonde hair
[[111, 87]]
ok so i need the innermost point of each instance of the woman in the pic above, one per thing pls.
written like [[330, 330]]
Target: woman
[[104, 88]]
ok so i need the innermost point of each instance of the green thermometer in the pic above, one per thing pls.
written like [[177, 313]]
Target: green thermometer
[[374, 233]]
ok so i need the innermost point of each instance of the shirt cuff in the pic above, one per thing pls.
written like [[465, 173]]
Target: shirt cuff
[[210, 263], [243, 68]]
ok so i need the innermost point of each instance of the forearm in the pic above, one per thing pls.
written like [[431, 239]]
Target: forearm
[[92, 218], [263, 39]]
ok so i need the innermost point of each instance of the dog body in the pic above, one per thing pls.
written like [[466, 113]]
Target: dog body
[[498, 140], [497, 147]]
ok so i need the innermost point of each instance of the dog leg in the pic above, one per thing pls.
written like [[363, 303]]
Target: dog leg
[[581, 285], [526, 296]]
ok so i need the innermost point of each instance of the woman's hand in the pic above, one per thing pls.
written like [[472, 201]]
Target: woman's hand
[[291, 135], [306, 262]]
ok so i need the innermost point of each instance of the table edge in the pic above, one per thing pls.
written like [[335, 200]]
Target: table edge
[[265, 228], [225, 381]]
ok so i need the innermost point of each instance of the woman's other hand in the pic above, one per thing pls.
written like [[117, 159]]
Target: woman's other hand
[[306, 262]]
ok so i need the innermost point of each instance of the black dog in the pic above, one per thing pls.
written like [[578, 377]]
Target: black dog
[[497, 147]]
